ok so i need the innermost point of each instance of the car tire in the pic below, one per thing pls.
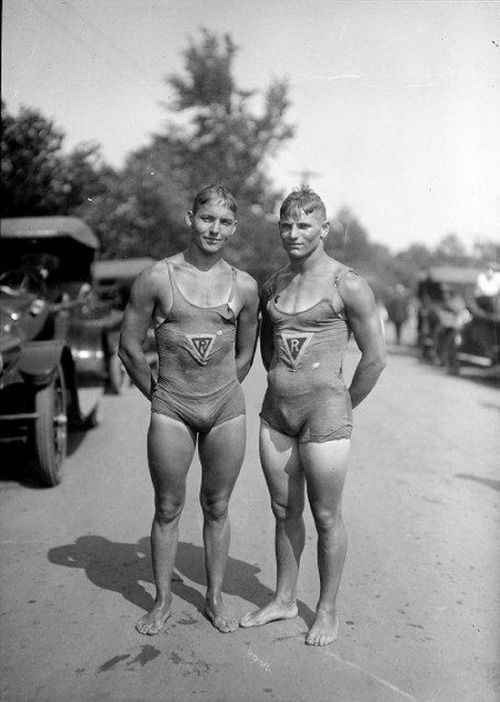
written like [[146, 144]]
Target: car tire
[[51, 430], [116, 375]]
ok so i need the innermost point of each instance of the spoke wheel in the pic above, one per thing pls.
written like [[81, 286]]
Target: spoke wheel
[[51, 430]]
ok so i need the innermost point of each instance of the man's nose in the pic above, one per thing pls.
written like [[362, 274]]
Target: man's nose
[[215, 227], [293, 232]]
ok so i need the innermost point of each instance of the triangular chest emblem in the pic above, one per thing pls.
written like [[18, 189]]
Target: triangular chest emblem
[[295, 345], [200, 346]]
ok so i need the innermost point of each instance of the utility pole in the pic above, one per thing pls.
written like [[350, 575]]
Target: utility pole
[[305, 175]]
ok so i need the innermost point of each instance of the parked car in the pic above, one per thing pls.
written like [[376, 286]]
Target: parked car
[[57, 336], [442, 295], [453, 330], [113, 282], [477, 342], [114, 278]]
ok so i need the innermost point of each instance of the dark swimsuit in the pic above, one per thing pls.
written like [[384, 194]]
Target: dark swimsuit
[[306, 396], [197, 382]]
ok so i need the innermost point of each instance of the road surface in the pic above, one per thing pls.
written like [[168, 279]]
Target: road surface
[[419, 597]]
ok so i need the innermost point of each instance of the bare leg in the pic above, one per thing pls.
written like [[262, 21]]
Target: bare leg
[[325, 469], [281, 464], [221, 455], [170, 452]]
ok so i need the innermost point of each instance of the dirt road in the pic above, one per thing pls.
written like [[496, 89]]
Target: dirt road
[[419, 598]]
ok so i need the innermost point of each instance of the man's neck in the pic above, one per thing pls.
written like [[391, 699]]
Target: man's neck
[[310, 263], [203, 262]]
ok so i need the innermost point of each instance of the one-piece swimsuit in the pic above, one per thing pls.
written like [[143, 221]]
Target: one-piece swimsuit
[[197, 381], [306, 395]]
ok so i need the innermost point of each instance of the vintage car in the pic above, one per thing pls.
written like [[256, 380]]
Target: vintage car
[[58, 339], [113, 280], [476, 342], [452, 328], [442, 295]]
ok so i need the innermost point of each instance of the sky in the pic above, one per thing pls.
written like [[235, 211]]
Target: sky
[[396, 104]]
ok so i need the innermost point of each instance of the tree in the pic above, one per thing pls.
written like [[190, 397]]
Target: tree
[[32, 182], [349, 241], [451, 250], [216, 136], [37, 177]]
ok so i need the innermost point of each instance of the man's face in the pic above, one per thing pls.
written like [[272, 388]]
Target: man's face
[[302, 233], [211, 226]]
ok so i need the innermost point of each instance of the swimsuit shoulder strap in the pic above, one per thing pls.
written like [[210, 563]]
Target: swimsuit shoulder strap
[[335, 290], [233, 285], [341, 275], [170, 273], [269, 288]]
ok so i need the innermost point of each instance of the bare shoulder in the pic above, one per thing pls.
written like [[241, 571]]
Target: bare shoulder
[[149, 280], [355, 291], [246, 284]]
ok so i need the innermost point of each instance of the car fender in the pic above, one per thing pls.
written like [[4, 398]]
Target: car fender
[[39, 360]]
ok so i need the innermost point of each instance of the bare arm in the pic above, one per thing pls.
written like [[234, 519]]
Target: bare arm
[[266, 330], [364, 321], [135, 324], [247, 327]]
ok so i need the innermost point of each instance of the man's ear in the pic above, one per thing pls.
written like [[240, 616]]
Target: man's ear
[[325, 229], [189, 218]]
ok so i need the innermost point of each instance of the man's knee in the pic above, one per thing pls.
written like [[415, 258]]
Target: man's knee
[[215, 507], [284, 512], [326, 519], [168, 509]]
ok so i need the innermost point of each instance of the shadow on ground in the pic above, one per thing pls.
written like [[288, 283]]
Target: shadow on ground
[[122, 567], [488, 482]]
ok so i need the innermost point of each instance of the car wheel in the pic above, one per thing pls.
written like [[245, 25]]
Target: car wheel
[[116, 375], [51, 430]]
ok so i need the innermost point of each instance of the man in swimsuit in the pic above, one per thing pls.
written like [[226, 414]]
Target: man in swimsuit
[[205, 316], [309, 308]]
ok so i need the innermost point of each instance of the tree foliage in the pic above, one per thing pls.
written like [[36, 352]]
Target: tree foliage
[[216, 132], [216, 135], [37, 177]]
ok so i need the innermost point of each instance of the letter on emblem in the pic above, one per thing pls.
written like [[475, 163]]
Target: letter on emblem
[[201, 346], [295, 345]]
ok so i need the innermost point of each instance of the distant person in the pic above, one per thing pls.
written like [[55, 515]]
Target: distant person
[[429, 295], [204, 313], [309, 310], [398, 310], [488, 288]]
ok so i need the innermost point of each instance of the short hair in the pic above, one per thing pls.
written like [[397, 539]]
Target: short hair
[[215, 192], [305, 199]]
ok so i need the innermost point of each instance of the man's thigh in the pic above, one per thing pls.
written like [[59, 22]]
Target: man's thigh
[[171, 447], [280, 458], [221, 452], [325, 466]]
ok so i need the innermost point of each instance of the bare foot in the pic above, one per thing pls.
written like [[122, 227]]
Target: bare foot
[[325, 629], [270, 613], [152, 622], [220, 617]]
